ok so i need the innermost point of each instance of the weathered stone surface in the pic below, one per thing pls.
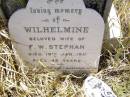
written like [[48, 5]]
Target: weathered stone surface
[[65, 40], [94, 87]]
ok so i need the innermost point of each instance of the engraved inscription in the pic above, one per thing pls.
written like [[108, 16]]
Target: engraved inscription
[[62, 33]]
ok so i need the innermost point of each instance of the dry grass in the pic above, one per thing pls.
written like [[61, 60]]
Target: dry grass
[[17, 80]]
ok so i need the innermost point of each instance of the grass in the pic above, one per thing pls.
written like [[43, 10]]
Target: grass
[[17, 80]]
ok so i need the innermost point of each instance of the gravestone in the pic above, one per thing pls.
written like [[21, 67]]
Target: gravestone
[[101, 6], [61, 33]]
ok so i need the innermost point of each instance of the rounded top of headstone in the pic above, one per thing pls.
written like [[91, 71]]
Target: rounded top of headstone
[[62, 33]]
